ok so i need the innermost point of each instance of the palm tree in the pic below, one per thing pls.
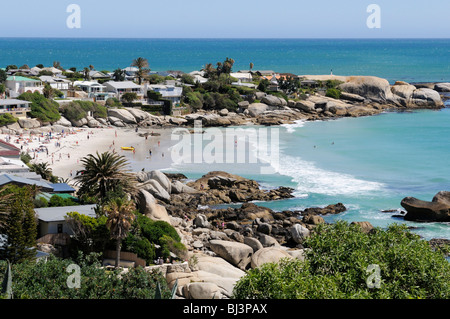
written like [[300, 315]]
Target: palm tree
[[42, 169], [104, 173], [120, 215], [251, 66], [86, 71], [143, 67]]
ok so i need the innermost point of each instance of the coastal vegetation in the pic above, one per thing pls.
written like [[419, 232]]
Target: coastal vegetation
[[44, 109], [48, 279], [77, 110], [337, 267]]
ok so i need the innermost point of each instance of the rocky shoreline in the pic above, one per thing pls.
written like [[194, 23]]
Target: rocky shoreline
[[360, 96], [223, 243]]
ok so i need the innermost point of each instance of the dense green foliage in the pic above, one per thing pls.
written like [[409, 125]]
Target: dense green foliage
[[76, 110], [337, 267], [49, 280], [6, 119], [20, 225], [333, 93], [146, 233], [42, 108]]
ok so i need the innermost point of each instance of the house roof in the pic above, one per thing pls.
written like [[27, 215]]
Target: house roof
[[7, 149], [13, 102], [123, 85], [51, 79], [167, 90], [56, 214], [62, 188], [87, 83], [9, 178]]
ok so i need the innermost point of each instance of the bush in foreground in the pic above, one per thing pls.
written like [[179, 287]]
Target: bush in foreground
[[49, 280], [337, 266]]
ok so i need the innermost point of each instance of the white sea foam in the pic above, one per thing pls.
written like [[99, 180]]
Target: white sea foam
[[311, 179], [290, 128]]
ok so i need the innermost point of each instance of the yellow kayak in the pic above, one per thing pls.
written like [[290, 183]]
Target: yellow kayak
[[127, 148]]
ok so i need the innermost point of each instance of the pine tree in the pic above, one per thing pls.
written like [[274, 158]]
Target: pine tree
[[20, 227]]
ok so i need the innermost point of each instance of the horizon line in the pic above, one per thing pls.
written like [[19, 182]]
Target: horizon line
[[228, 38]]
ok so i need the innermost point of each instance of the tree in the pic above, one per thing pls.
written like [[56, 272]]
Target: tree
[[129, 97], [120, 214], [119, 75], [251, 66], [48, 91], [86, 75], [105, 173], [338, 262], [43, 169], [3, 76], [143, 67], [20, 227]]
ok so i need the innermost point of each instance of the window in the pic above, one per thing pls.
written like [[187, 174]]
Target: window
[[60, 228]]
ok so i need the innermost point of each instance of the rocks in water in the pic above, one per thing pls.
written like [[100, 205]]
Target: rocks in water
[[370, 87], [330, 209], [438, 210], [442, 87]]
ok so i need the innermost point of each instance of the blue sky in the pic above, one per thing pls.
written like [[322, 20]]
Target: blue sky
[[227, 19]]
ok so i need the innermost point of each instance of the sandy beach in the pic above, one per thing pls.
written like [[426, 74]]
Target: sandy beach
[[64, 151]]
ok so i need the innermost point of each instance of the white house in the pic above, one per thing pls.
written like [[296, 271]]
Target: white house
[[53, 70], [19, 84], [95, 75], [56, 82], [95, 90], [16, 108], [242, 76], [168, 92], [121, 87]]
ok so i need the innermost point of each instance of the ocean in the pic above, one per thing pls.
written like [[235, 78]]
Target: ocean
[[411, 60], [367, 163]]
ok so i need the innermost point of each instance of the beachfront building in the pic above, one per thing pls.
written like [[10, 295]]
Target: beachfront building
[[20, 84], [98, 75], [130, 73], [168, 92], [56, 82], [199, 76], [16, 108], [245, 77], [53, 70], [94, 90], [121, 87]]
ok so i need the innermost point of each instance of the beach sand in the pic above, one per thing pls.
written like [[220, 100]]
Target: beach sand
[[65, 150]]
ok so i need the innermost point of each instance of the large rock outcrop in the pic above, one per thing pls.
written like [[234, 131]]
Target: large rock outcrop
[[438, 210]]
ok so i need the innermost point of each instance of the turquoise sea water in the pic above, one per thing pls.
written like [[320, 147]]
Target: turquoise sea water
[[370, 164], [410, 60]]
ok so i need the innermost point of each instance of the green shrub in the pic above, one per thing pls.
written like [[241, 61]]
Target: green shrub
[[49, 280], [41, 108], [76, 110], [333, 93], [6, 119], [337, 264]]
